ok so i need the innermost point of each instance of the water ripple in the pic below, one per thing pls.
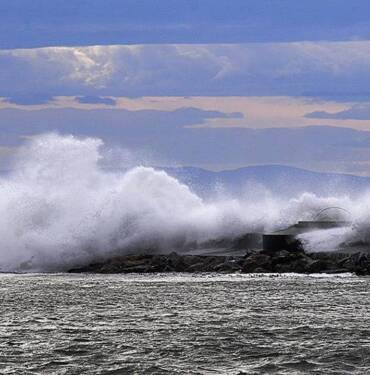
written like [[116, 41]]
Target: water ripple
[[184, 324]]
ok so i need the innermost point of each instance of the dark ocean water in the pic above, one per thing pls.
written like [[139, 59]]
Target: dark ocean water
[[179, 324]]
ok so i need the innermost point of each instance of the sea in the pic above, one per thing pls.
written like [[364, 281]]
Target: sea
[[184, 324]]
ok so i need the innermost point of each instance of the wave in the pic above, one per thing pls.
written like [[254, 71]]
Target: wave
[[59, 206]]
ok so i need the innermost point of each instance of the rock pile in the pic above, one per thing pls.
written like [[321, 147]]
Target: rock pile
[[252, 262]]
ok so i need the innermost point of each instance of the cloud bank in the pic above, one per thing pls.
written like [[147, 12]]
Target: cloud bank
[[174, 138], [323, 69]]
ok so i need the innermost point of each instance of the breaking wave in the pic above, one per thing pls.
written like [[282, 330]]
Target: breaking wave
[[59, 207]]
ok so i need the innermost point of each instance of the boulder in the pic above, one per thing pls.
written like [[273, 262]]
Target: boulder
[[229, 266], [358, 263], [281, 257], [177, 263], [260, 270], [317, 266], [135, 269], [256, 261], [196, 267]]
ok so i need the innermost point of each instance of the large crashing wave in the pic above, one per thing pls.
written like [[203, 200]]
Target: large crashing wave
[[59, 207]]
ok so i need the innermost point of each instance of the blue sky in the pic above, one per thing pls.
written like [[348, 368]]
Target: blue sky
[[90, 22], [201, 72]]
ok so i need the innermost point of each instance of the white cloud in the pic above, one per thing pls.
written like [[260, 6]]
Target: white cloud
[[330, 68]]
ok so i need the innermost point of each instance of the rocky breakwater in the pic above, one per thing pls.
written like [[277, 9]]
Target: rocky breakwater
[[282, 261]]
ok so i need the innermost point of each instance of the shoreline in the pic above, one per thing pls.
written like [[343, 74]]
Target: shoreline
[[261, 261]]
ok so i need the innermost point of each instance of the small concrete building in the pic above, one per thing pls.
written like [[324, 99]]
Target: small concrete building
[[287, 239]]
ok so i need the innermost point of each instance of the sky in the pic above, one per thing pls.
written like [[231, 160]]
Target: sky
[[215, 84]]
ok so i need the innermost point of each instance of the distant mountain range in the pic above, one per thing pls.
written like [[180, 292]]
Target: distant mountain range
[[278, 179]]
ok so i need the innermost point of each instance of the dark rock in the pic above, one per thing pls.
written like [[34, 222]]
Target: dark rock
[[299, 266], [196, 267], [159, 264], [93, 267], [229, 266], [282, 254], [336, 270], [250, 252], [253, 261], [190, 260], [358, 263], [214, 263], [177, 262], [281, 257], [133, 269], [283, 268], [317, 266], [261, 270], [285, 261], [256, 261]]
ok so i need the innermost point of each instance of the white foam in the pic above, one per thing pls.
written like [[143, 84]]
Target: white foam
[[59, 207]]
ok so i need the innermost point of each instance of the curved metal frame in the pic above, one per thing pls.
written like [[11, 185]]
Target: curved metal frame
[[329, 208]]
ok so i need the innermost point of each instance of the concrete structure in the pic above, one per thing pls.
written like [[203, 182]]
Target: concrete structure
[[328, 218]]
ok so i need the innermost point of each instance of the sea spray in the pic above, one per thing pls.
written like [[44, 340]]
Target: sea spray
[[59, 207]]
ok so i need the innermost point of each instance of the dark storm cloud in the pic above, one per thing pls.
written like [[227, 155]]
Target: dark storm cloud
[[95, 100], [29, 99], [357, 112]]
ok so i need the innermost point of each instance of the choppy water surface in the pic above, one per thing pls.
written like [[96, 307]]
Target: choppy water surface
[[168, 324]]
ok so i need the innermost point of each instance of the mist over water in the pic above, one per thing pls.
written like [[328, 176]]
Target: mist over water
[[60, 207]]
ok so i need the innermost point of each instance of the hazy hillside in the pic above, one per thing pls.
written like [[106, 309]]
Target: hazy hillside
[[282, 180]]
